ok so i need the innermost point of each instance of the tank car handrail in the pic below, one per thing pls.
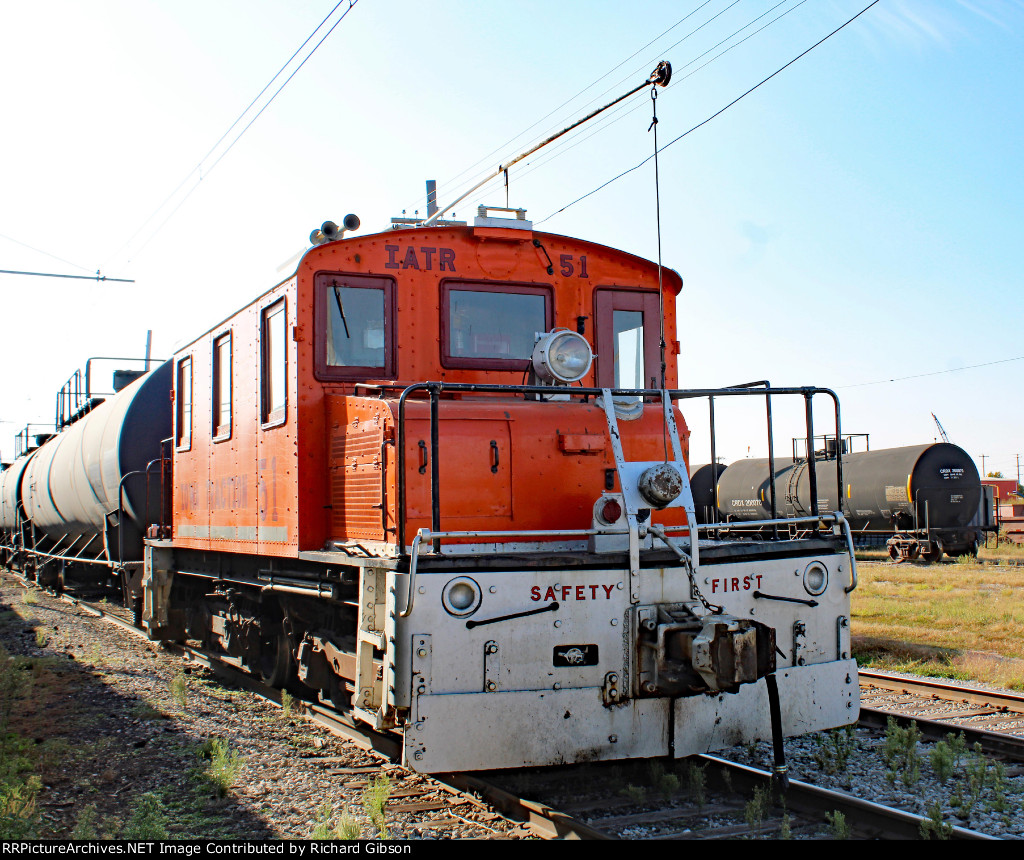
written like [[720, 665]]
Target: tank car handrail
[[120, 511]]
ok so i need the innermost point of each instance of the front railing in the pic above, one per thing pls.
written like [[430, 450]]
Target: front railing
[[434, 391]]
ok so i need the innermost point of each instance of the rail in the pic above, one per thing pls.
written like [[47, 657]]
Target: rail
[[434, 390]]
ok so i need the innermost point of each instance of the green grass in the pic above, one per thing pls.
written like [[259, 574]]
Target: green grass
[[953, 620]]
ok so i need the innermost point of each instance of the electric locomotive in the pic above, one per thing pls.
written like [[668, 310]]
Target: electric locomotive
[[438, 479]]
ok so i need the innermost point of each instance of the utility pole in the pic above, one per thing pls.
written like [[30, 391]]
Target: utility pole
[[983, 466]]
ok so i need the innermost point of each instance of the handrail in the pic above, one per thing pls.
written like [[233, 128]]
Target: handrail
[[434, 391]]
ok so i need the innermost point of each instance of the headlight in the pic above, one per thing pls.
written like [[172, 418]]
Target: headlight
[[815, 578], [562, 356], [461, 596]]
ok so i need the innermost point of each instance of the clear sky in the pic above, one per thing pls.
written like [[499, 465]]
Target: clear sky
[[850, 224]]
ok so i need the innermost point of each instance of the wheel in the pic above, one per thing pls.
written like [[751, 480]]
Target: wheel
[[894, 552], [934, 551], [276, 665]]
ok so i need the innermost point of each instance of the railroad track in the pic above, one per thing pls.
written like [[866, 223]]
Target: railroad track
[[724, 813], [993, 719]]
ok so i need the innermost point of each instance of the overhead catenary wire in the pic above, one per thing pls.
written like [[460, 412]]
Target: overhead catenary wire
[[96, 277], [713, 116], [44, 253], [933, 372], [621, 111], [511, 142], [199, 168], [594, 100]]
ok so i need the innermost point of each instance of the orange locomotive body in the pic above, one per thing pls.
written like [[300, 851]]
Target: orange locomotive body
[[313, 466], [438, 478]]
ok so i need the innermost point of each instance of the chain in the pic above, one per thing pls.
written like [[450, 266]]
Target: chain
[[713, 608]]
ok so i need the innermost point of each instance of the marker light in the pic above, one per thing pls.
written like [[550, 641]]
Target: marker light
[[561, 357], [815, 578], [461, 596]]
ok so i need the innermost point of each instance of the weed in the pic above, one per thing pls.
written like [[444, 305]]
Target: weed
[[29, 597], [636, 793], [287, 704], [837, 823], [727, 781], [85, 824], [179, 691], [785, 829], [148, 819], [41, 638], [835, 748], [969, 789], [346, 827], [757, 808], [933, 826], [900, 753], [941, 758], [19, 818], [957, 747], [322, 824], [998, 803], [668, 785], [965, 560], [224, 764], [374, 797], [696, 784]]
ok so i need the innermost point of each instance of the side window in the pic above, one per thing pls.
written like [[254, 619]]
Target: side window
[[354, 327], [492, 325], [274, 362], [627, 330], [222, 387], [183, 402]]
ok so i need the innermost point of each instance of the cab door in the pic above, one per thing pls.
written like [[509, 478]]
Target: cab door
[[627, 334]]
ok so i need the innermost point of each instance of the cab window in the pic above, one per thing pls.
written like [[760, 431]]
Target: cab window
[[354, 327], [492, 326], [627, 335]]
